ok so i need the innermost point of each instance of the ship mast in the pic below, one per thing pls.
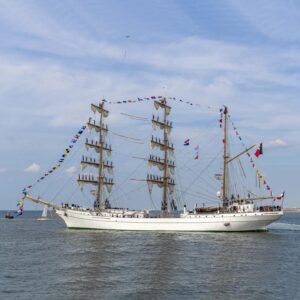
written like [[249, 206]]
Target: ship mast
[[102, 164], [225, 158], [167, 166]]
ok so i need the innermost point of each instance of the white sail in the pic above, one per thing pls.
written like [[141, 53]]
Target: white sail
[[44, 214], [45, 211]]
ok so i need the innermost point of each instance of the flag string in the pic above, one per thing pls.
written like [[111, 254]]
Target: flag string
[[258, 172], [60, 161], [141, 99]]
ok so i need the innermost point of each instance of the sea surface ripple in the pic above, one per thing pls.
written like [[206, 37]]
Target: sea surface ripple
[[44, 260]]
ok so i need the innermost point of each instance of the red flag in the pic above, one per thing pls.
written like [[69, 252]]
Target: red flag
[[257, 153], [280, 197]]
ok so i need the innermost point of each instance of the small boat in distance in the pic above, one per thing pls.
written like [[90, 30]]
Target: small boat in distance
[[8, 215], [44, 216]]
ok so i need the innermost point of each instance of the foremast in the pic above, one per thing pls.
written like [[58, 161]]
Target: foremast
[[164, 164], [101, 164]]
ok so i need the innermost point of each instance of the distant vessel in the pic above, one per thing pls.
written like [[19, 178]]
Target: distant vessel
[[234, 213], [44, 216], [8, 215]]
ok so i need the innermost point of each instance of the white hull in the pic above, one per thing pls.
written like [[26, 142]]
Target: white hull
[[201, 222]]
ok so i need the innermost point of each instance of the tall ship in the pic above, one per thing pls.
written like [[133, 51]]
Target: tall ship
[[233, 213]]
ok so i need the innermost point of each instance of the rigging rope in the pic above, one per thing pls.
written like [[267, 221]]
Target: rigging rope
[[260, 177]]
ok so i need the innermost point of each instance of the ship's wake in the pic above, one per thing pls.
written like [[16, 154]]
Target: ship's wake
[[284, 226]]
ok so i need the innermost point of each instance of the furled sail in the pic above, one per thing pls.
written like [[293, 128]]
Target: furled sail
[[161, 145], [100, 110], [91, 144], [88, 161], [160, 163], [92, 125], [161, 125], [92, 162], [108, 166], [162, 104]]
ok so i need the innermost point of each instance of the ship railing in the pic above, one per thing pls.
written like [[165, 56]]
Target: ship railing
[[269, 208]]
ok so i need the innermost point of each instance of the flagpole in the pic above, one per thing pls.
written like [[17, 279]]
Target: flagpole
[[282, 200]]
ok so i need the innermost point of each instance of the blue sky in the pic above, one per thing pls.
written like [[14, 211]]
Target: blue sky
[[56, 57]]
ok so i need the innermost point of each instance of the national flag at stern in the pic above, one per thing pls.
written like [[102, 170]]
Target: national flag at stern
[[259, 151], [280, 197]]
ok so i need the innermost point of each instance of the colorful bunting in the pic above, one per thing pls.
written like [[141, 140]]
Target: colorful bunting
[[186, 142], [257, 153], [20, 206], [221, 118], [139, 99], [62, 159], [20, 210], [21, 202]]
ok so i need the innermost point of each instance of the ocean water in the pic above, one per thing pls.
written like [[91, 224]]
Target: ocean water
[[44, 260]]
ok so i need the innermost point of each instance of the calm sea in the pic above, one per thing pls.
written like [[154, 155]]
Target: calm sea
[[44, 260]]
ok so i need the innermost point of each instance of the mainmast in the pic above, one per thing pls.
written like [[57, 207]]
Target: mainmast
[[225, 158], [164, 164], [102, 164]]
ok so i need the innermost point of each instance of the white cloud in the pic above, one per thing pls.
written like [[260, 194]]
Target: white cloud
[[276, 143], [33, 168], [71, 171]]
